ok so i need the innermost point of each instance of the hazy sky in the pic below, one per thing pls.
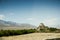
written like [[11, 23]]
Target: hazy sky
[[31, 11]]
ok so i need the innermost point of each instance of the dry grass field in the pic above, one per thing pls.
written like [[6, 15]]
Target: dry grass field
[[32, 36]]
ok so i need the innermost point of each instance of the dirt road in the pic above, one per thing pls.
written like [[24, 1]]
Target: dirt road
[[33, 36]]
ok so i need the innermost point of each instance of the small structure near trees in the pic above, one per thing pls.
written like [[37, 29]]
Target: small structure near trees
[[42, 28]]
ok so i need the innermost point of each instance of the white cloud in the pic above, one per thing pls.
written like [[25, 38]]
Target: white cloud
[[29, 18], [2, 17]]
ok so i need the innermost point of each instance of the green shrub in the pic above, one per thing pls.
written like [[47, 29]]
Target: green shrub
[[52, 29], [15, 32]]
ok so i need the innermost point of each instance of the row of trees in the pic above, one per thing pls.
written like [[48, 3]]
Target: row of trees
[[15, 32], [49, 30]]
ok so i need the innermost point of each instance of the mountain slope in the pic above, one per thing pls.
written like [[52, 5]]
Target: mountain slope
[[8, 25]]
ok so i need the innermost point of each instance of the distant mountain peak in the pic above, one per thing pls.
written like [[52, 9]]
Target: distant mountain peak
[[13, 25]]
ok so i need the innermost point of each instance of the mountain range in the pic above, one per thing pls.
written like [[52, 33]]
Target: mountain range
[[8, 25]]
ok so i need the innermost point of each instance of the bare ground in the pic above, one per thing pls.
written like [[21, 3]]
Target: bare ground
[[32, 36]]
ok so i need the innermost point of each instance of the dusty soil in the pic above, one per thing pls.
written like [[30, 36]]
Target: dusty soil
[[32, 36]]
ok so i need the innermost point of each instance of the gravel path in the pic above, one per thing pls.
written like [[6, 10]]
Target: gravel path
[[33, 36]]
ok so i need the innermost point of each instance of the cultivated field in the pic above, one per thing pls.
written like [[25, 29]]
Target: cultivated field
[[32, 36]]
